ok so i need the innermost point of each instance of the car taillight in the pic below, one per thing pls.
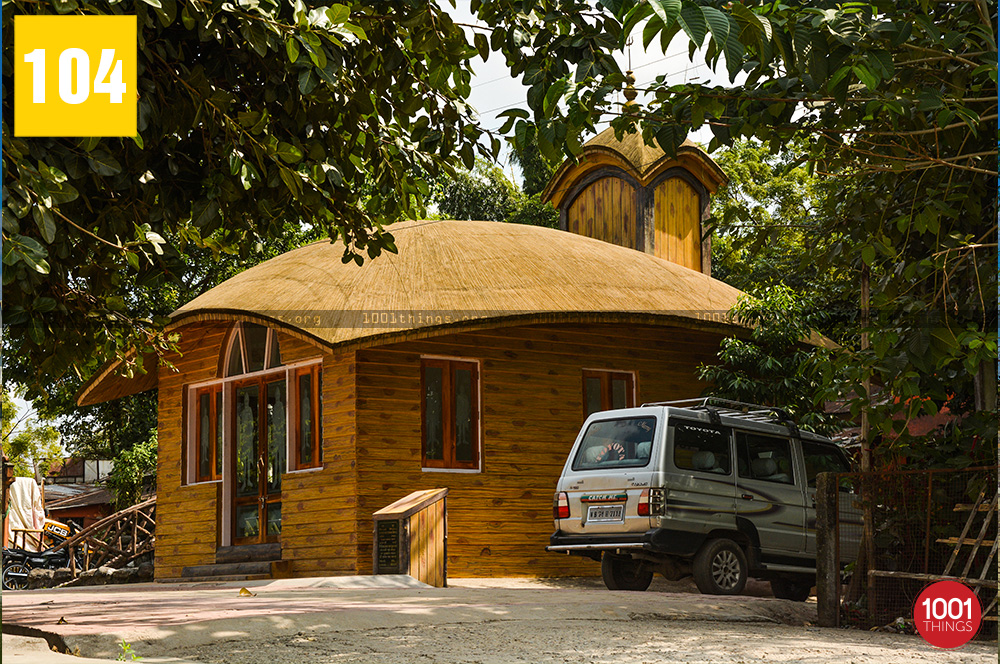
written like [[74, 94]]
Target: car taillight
[[651, 502], [560, 506]]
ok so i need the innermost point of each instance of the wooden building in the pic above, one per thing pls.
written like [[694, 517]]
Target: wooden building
[[307, 394]]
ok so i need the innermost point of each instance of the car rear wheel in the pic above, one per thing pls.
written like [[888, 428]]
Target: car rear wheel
[[796, 590], [720, 568], [623, 573]]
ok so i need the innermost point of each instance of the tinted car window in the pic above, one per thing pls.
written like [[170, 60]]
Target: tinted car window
[[621, 443], [822, 459], [765, 458], [701, 447]]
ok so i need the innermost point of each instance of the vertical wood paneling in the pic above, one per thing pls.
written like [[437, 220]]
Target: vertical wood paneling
[[677, 223], [605, 210]]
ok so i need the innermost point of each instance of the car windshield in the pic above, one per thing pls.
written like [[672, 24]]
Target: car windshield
[[619, 443]]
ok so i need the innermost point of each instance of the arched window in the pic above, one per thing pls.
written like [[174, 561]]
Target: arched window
[[260, 419], [252, 348]]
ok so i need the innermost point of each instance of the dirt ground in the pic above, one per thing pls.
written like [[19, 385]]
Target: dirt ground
[[496, 621], [637, 640]]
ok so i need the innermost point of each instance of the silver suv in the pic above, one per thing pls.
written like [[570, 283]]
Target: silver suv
[[716, 489]]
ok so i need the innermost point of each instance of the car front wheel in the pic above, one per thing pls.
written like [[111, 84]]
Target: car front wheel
[[720, 568]]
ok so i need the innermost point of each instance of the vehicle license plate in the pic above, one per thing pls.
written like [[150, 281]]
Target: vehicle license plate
[[605, 513]]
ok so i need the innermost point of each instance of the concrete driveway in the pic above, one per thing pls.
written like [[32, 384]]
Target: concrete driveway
[[396, 619]]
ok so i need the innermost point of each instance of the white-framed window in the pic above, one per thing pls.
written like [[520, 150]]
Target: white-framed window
[[253, 355]]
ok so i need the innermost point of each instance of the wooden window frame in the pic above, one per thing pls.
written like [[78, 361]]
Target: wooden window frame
[[606, 376], [236, 343], [316, 383], [214, 433], [449, 366]]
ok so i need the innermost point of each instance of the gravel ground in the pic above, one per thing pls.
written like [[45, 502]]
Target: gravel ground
[[583, 641]]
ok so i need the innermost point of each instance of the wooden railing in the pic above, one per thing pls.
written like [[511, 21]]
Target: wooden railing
[[115, 540]]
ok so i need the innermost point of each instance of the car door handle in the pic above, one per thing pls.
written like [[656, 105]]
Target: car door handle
[[747, 496]]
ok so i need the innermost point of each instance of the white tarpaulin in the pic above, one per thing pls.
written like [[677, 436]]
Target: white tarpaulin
[[25, 511]]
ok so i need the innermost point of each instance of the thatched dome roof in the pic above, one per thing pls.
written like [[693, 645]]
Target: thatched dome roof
[[451, 276], [467, 270]]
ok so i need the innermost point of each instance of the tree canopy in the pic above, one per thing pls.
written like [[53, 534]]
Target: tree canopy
[[895, 105], [251, 116], [32, 445], [256, 115]]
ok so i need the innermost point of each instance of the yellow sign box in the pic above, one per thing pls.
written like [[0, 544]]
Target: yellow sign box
[[75, 76]]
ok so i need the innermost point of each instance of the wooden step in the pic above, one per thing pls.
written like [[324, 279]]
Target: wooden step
[[228, 569], [248, 553], [217, 579], [268, 569]]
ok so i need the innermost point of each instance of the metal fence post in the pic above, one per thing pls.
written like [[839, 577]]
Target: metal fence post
[[827, 565]]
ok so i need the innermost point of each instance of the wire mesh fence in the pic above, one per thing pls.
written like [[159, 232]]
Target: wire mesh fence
[[921, 526]]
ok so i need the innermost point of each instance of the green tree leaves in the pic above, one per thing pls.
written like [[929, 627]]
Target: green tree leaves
[[252, 116]]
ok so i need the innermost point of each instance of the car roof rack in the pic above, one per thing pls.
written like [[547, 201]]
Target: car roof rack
[[738, 409]]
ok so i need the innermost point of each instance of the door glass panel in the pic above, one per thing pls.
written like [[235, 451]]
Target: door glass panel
[[433, 441], [318, 422], [218, 433], [305, 419], [463, 415], [235, 367], [273, 519], [255, 343], [592, 388], [247, 521], [276, 435], [204, 436], [619, 393], [247, 427]]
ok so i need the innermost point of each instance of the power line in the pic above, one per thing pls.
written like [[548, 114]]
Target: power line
[[498, 78]]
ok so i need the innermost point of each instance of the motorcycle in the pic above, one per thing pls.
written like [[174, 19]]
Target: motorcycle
[[18, 562]]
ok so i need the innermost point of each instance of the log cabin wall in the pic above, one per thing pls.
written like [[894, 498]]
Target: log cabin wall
[[186, 515], [318, 515], [499, 520]]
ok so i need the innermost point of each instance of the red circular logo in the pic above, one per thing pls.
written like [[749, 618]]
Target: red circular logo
[[947, 614]]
